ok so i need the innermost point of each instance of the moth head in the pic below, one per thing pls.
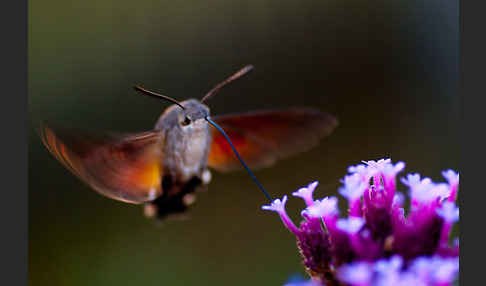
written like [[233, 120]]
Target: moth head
[[193, 112]]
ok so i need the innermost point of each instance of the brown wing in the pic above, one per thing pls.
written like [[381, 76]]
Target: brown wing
[[122, 167], [262, 137]]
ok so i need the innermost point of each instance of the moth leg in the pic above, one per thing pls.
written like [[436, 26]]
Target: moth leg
[[150, 210], [153, 209], [188, 199], [206, 177]]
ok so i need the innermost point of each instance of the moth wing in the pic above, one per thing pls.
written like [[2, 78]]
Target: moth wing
[[263, 137], [122, 167]]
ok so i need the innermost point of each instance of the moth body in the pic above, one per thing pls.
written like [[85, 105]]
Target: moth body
[[186, 139]]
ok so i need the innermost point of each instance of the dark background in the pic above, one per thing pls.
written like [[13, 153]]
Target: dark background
[[387, 70]]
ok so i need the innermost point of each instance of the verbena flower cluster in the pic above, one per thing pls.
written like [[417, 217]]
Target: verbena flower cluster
[[378, 242]]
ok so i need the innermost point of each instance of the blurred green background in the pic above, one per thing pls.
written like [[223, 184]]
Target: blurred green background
[[386, 69]]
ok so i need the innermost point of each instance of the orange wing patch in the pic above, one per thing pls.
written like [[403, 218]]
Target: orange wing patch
[[221, 156], [125, 168]]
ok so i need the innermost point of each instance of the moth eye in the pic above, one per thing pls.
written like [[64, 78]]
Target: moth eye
[[186, 121]]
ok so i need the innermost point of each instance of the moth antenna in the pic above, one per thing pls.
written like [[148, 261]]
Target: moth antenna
[[237, 75], [239, 158], [151, 93]]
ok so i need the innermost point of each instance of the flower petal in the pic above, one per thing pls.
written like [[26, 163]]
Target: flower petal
[[358, 273], [354, 187], [306, 193], [451, 176], [449, 212], [323, 208], [350, 225], [277, 205]]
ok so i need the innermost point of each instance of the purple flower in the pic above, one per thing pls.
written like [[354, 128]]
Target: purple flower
[[453, 180], [279, 207], [379, 242], [315, 246], [354, 187], [388, 271], [356, 274], [430, 271], [398, 199], [426, 191], [389, 266], [435, 270], [353, 190], [378, 165], [449, 212], [413, 180], [306, 193], [451, 177], [361, 170], [323, 208], [390, 170], [350, 225]]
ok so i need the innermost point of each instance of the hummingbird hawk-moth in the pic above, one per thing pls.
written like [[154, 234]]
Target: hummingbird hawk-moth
[[162, 168]]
